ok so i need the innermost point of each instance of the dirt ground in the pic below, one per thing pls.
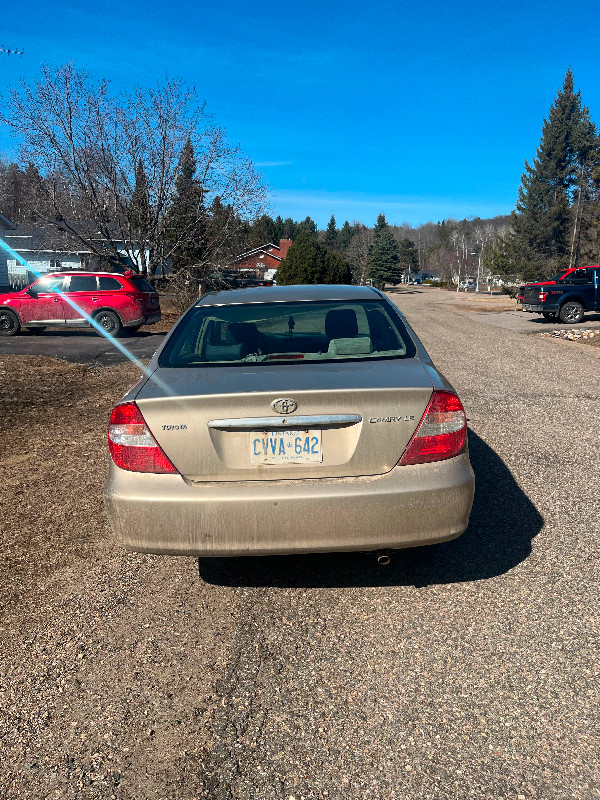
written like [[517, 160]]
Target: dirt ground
[[101, 693], [52, 415]]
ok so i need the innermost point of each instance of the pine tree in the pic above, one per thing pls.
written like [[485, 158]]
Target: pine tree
[[544, 223], [279, 226], [345, 235], [309, 262], [12, 193], [330, 239], [382, 262], [140, 202], [34, 194], [307, 225], [408, 258], [186, 223], [264, 231], [289, 229]]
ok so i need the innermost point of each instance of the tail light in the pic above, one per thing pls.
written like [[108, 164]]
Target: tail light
[[442, 431], [543, 296], [132, 446]]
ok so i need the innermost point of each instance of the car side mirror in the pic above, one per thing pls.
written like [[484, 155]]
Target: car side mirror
[[31, 291]]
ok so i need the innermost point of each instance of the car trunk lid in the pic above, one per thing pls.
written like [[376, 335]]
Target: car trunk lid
[[218, 423]]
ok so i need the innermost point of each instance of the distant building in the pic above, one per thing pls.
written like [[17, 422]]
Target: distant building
[[260, 259]]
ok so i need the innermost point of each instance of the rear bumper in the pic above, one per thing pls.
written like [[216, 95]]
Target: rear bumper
[[536, 308], [406, 507], [147, 320]]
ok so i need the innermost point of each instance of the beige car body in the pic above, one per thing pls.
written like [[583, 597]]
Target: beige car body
[[356, 498]]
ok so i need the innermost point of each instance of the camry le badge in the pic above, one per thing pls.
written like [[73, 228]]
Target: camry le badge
[[284, 406]]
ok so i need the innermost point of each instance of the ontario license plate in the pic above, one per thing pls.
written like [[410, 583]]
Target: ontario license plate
[[286, 447]]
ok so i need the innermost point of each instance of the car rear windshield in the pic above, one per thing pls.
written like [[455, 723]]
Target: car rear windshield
[[268, 333], [142, 285]]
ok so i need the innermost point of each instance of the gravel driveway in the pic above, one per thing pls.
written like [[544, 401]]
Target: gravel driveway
[[465, 670]]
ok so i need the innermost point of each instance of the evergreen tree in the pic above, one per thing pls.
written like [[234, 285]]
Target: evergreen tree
[[383, 260], [543, 238], [186, 222], [309, 262], [140, 202], [34, 193], [307, 225], [289, 229], [408, 258], [12, 193], [264, 231], [345, 235], [330, 239], [279, 226]]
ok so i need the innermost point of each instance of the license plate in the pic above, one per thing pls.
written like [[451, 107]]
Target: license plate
[[286, 447]]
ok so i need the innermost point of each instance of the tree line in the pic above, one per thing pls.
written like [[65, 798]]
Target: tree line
[[384, 253], [146, 178]]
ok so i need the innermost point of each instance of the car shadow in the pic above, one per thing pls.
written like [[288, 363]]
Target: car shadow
[[538, 319], [503, 522]]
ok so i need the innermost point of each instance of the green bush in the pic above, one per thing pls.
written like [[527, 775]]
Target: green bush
[[308, 261]]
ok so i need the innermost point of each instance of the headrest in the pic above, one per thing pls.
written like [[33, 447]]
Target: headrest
[[246, 332], [340, 323]]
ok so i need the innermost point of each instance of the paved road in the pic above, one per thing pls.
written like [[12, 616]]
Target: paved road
[[465, 670], [80, 347]]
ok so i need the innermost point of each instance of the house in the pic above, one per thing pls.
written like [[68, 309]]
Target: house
[[260, 259], [45, 249]]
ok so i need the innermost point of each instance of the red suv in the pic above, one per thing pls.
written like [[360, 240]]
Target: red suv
[[70, 299]]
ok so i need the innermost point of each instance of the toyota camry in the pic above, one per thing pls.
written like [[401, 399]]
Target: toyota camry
[[289, 420]]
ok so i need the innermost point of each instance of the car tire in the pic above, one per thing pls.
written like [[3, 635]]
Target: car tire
[[110, 322], [549, 316], [571, 312], [10, 324]]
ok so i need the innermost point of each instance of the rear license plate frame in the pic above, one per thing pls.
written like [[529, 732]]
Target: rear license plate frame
[[272, 448]]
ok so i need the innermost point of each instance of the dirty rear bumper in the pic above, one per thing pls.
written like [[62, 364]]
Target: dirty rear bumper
[[406, 507]]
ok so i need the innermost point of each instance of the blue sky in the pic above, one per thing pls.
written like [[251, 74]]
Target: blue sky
[[422, 112]]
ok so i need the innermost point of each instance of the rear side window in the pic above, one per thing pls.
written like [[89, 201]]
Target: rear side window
[[142, 285], [267, 333], [109, 284], [82, 283]]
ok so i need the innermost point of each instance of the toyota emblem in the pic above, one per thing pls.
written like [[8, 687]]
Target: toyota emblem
[[284, 406]]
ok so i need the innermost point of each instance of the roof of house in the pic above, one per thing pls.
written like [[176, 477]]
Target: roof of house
[[276, 251]]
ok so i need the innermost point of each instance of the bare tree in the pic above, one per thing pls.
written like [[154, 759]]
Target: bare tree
[[357, 251], [91, 148]]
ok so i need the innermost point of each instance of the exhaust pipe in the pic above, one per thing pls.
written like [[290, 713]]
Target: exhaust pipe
[[383, 558]]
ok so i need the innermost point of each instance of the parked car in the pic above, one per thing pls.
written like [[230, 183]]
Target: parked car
[[70, 299], [467, 285], [303, 419]]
